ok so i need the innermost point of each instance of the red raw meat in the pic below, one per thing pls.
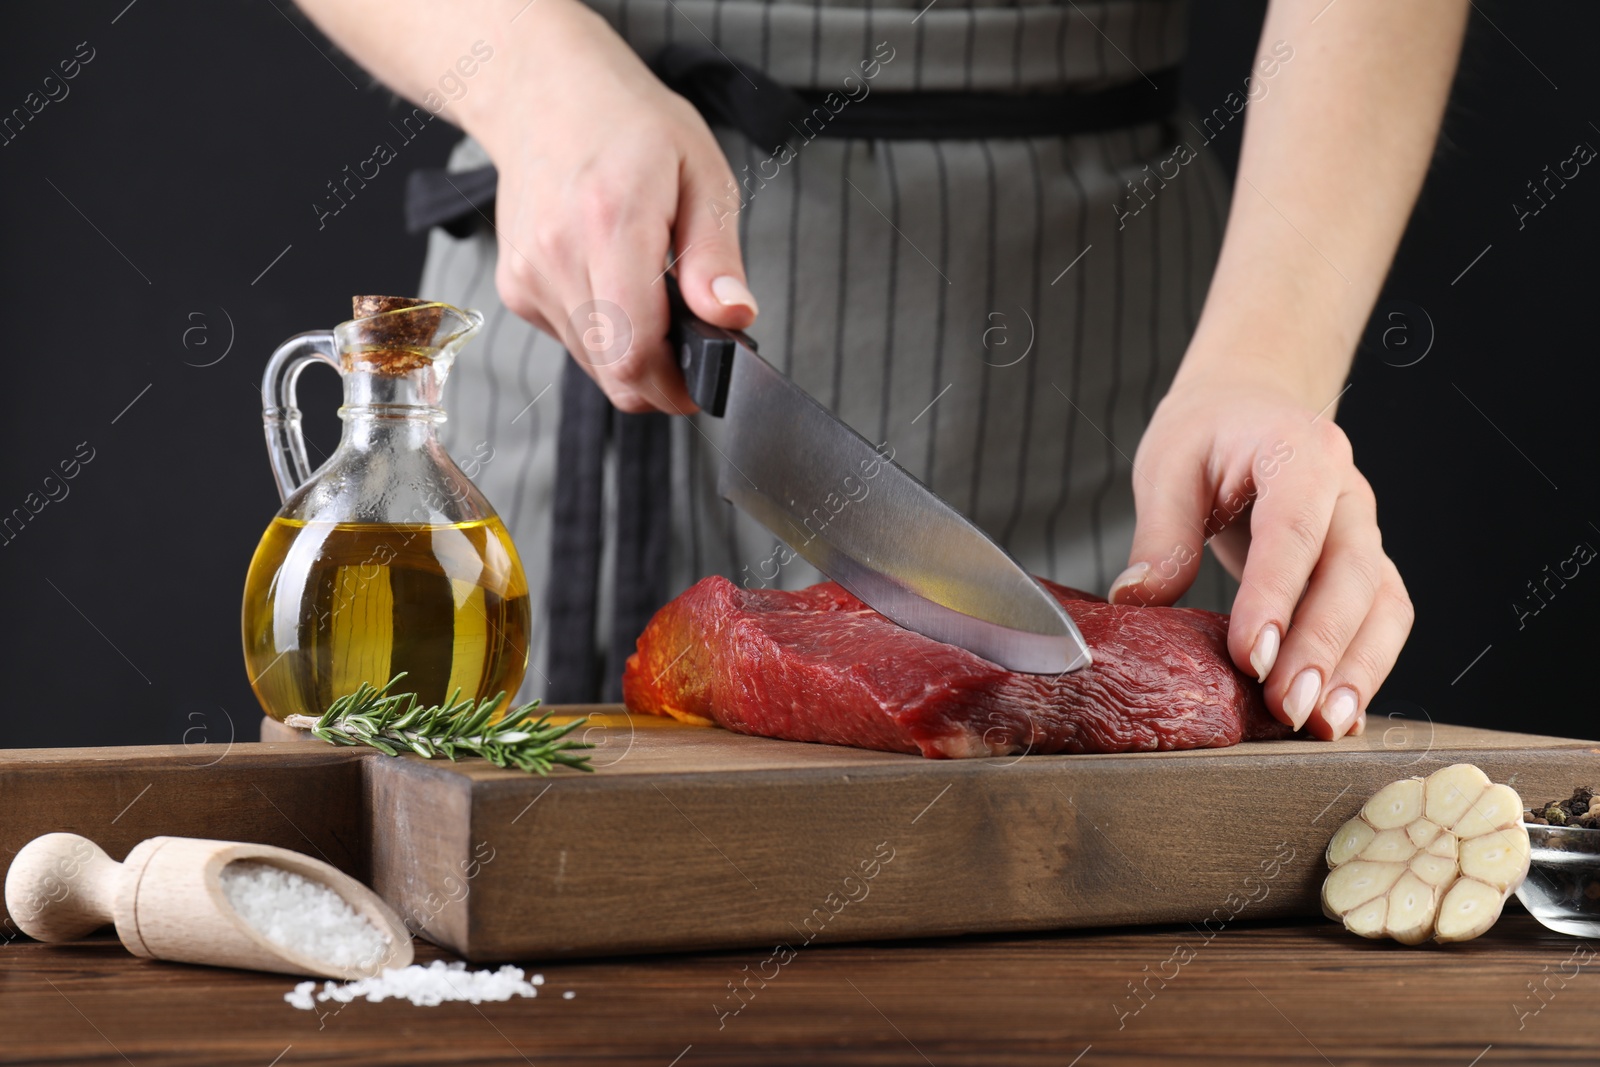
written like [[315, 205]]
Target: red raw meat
[[819, 665]]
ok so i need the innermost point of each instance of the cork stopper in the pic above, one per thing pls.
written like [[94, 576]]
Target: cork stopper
[[394, 344]]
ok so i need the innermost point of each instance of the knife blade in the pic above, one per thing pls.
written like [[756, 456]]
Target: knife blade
[[846, 507]]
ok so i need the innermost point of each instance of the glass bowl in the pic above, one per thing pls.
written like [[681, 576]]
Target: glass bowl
[[1562, 889]]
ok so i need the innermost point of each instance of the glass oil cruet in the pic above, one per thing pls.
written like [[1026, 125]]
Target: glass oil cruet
[[386, 558]]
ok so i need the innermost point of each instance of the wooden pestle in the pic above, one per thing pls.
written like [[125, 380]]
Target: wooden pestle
[[167, 902]]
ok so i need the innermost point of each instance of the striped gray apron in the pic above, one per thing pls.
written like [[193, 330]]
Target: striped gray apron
[[1003, 313]]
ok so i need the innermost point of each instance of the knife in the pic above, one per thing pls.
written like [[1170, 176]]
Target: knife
[[859, 517]]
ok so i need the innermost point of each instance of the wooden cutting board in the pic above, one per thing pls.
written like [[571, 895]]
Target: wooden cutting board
[[696, 838]]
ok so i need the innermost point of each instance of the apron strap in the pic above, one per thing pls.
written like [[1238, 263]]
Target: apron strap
[[579, 672], [771, 114], [576, 539], [644, 533]]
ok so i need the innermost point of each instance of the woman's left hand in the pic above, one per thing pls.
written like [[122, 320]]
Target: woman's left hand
[[1243, 451], [1271, 483]]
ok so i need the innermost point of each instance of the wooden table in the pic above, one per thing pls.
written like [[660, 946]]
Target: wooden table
[[1268, 993]]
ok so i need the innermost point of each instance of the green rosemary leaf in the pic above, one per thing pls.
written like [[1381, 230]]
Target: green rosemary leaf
[[390, 722], [333, 712], [478, 719], [408, 719]]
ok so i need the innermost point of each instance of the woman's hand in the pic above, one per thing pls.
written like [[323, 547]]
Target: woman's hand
[[1243, 450], [1321, 613], [602, 171]]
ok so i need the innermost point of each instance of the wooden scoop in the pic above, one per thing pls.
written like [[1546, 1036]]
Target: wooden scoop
[[167, 902]]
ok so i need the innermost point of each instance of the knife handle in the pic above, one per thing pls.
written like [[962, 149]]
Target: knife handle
[[704, 352]]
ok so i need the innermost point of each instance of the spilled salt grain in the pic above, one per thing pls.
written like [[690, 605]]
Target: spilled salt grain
[[423, 986], [302, 915], [568, 995]]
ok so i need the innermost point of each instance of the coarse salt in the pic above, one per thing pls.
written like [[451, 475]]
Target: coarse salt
[[302, 915], [424, 986]]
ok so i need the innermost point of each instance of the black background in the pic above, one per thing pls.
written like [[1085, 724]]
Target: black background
[[142, 213]]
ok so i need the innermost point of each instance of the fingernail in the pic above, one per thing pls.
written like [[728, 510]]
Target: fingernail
[[1302, 696], [1127, 580], [1339, 710], [1360, 727], [731, 292], [1265, 654]]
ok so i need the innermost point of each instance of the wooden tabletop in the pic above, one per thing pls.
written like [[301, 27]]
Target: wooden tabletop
[[1255, 994]]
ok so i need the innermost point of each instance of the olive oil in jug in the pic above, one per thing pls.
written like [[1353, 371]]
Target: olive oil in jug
[[387, 559], [332, 605]]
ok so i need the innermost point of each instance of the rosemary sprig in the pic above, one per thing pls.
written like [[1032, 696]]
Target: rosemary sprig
[[390, 722]]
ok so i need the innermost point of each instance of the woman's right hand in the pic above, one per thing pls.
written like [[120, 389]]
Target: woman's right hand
[[603, 172]]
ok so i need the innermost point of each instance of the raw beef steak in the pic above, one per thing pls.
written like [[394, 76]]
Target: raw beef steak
[[819, 665]]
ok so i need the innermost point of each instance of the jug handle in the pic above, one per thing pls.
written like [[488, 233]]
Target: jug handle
[[286, 444]]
